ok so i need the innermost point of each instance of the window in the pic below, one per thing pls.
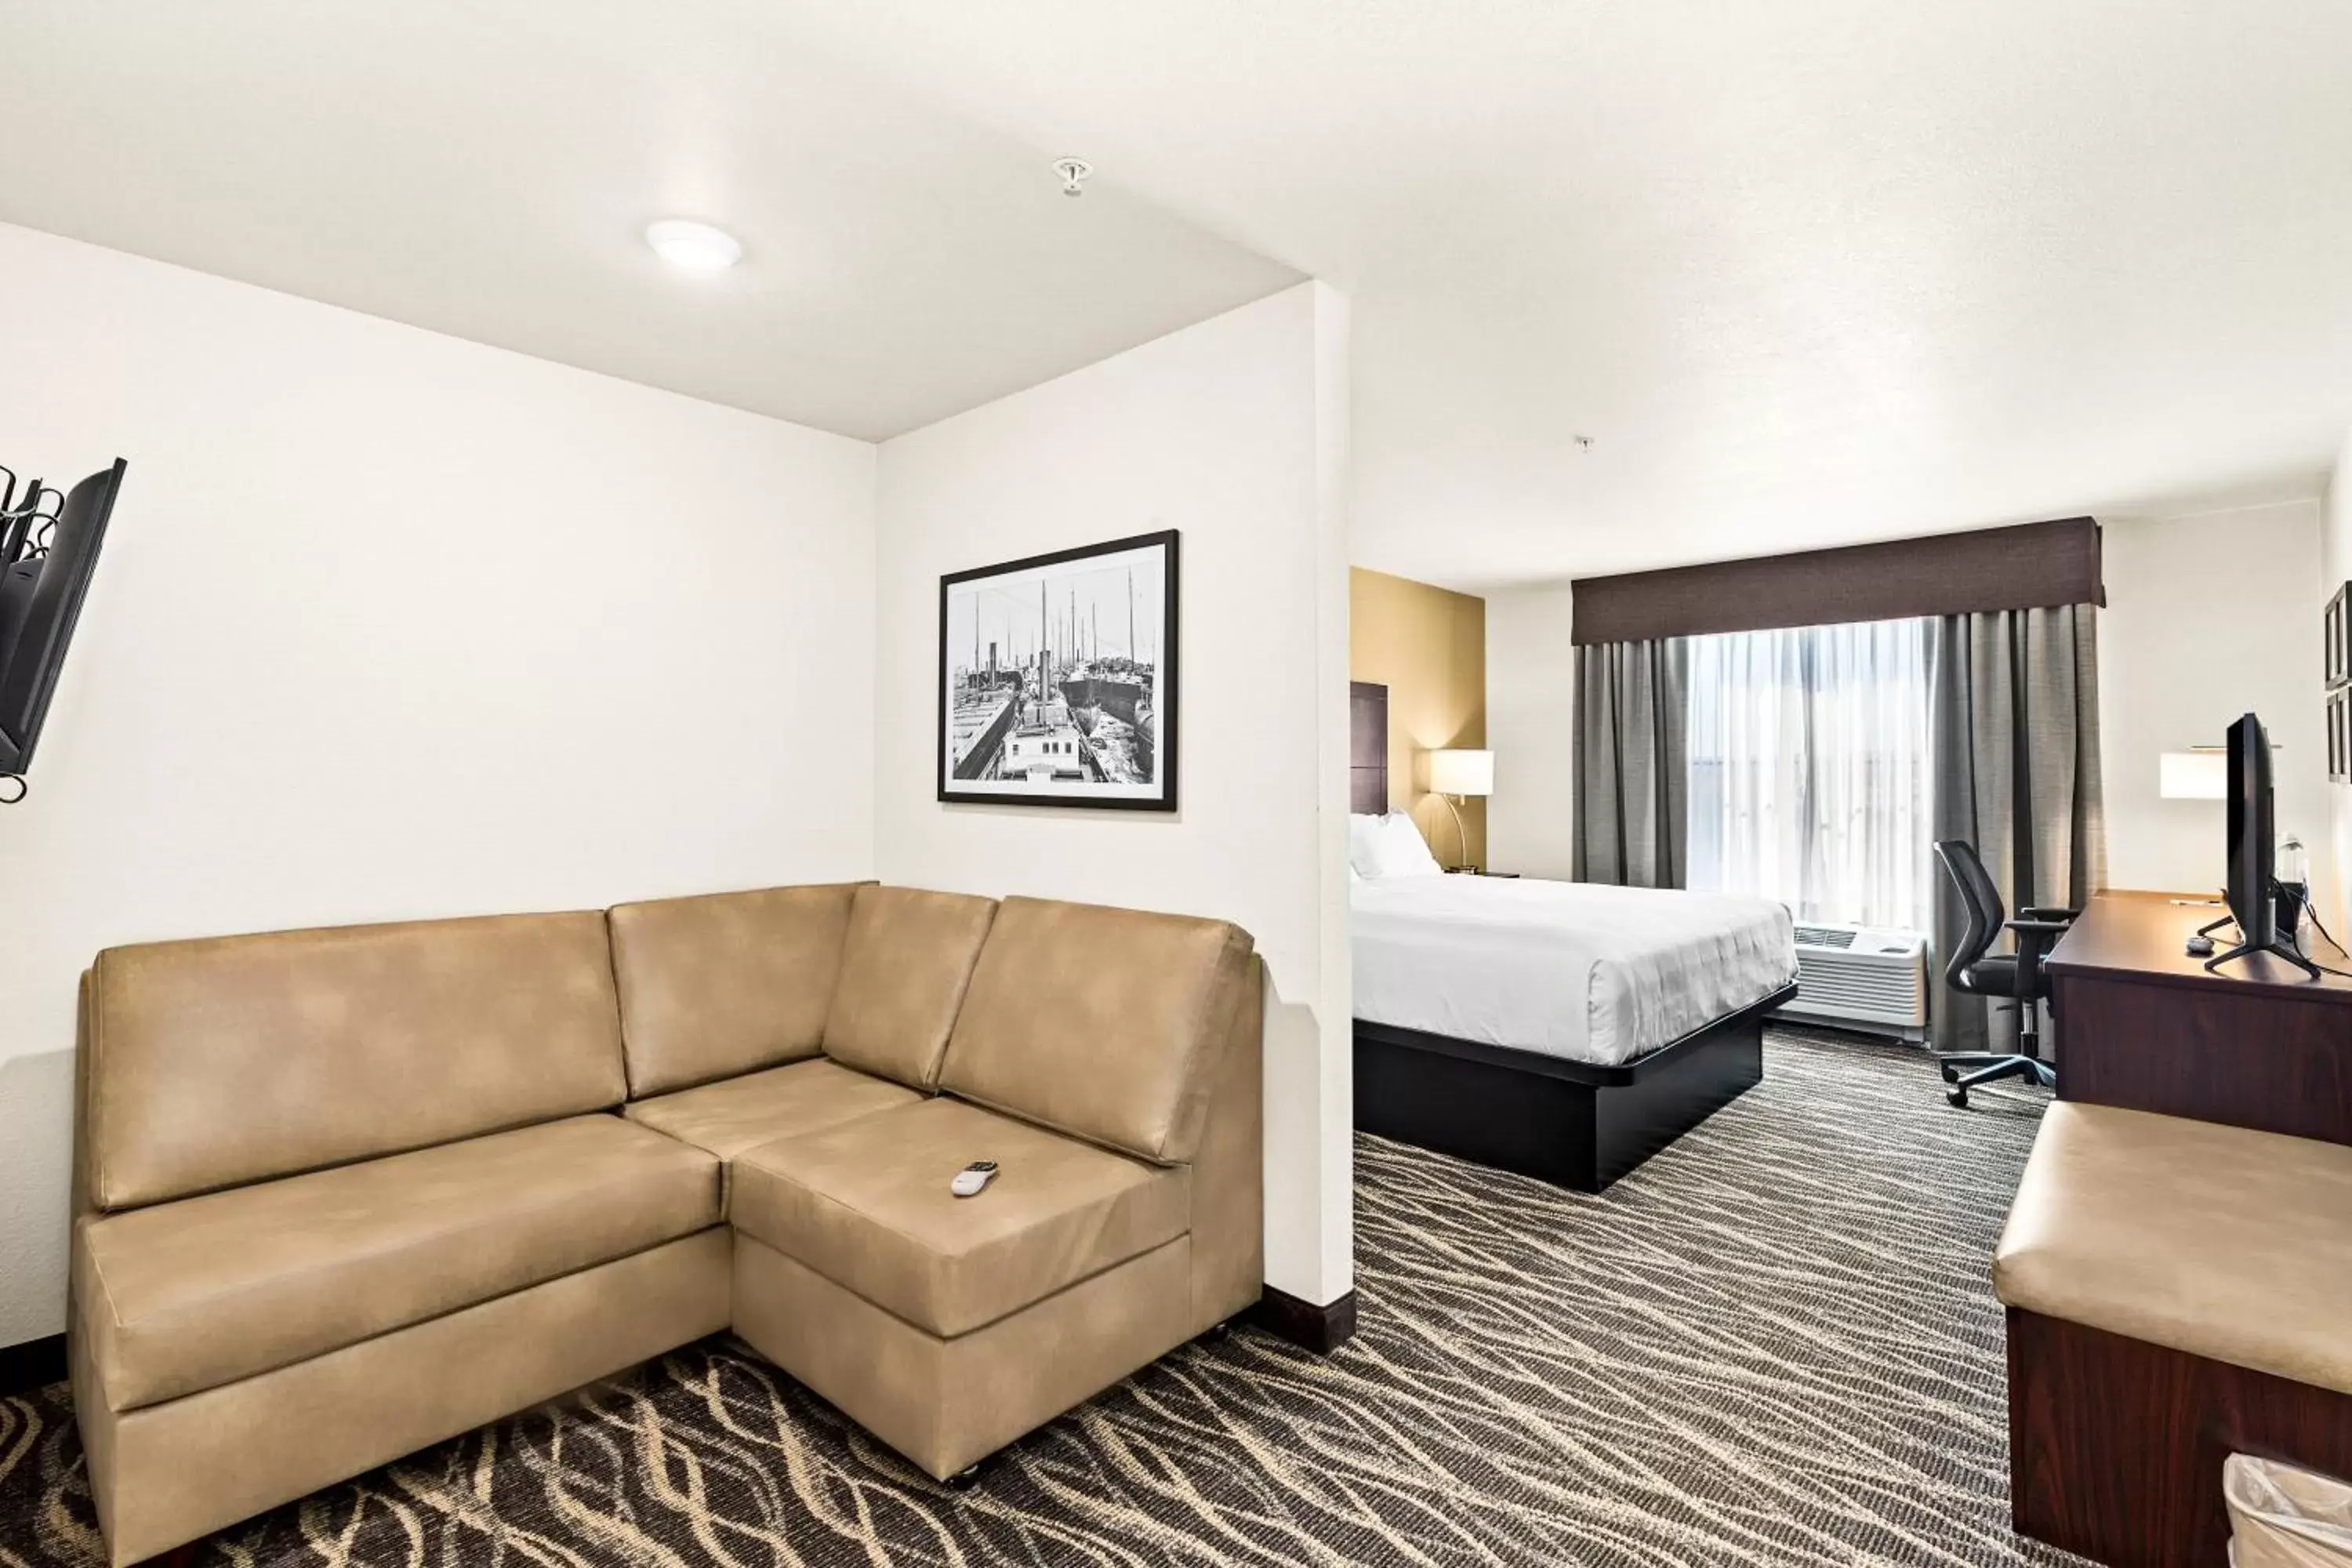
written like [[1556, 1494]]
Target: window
[[1810, 770]]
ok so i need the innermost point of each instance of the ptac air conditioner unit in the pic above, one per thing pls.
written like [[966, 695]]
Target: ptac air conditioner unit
[[1862, 977]]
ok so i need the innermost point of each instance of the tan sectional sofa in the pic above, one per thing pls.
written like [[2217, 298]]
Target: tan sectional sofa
[[343, 1194]]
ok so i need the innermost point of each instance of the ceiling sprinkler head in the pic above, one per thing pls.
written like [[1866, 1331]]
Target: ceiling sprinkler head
[[1073, 174], [1583, 443]]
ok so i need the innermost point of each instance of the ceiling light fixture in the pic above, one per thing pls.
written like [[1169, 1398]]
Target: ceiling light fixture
[[1073, 172], [696, 247]]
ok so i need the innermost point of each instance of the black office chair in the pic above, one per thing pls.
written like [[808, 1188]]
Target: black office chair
[[2015, 977]]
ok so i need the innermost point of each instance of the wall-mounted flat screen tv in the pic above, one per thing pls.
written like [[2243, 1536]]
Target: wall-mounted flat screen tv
[[40, 599]]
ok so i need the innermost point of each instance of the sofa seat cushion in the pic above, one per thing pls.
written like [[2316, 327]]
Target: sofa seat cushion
[[191, 1294], [741, 1113], [2217, 1241], [867, 1204]]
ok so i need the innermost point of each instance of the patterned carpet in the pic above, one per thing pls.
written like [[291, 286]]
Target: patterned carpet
[[1773, 1344]]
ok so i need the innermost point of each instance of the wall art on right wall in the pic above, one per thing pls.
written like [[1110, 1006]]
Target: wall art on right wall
[[2339, 736], [2338, 636]]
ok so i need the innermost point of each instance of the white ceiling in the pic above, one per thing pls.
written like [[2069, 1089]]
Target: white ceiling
[[1809, 271], [487, 170]]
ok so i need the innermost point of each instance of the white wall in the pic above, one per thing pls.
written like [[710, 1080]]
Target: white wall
[[1531, 727], [2334, 568], [1234, 432], [392, 625], [2209, 616]]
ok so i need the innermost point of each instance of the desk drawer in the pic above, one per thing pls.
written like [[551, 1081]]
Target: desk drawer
[[2242, 1056]]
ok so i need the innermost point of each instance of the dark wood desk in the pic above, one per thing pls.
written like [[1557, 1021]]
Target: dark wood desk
[[2141, 1024]]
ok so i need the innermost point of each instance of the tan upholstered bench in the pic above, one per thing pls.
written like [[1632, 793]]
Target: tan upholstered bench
[[2177, 1291]]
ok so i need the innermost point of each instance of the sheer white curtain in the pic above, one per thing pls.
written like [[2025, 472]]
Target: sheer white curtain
[[1809, 770]]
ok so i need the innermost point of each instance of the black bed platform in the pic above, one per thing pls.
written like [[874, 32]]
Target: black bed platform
[[1570, 1123]]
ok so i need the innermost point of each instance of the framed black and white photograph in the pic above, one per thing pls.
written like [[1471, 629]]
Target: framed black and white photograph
[[2339, 736], [2339, 625], [1058, 679]]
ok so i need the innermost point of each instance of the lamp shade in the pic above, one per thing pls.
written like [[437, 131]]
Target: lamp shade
[[1461, 773], [2193, 775]]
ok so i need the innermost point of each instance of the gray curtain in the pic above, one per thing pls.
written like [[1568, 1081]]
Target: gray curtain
[[1632, 771], [2015, 715]]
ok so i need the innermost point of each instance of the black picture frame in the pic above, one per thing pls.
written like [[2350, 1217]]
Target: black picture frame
[[2339, 736], [2338, 636], [1151, 659]]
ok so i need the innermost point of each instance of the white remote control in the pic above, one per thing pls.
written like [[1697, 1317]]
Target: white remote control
[[972, 1177]]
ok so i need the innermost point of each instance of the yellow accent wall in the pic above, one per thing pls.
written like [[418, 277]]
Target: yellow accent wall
[[1428, 646]]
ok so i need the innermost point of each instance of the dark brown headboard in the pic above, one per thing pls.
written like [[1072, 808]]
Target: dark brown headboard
[[1368, 747]]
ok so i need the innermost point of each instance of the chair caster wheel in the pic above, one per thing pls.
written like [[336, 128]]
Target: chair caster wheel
[[1958, 1097], [1951, 1075], [963, 1480]]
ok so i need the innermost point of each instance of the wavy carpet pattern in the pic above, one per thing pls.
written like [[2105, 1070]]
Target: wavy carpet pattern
[[1773, 1344]]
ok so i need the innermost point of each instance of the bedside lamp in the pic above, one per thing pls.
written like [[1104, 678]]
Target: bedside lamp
[[1457, 775], [2201, 772]]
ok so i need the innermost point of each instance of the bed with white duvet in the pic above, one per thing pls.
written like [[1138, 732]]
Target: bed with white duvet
[[1563, 1030], [1575, 970]]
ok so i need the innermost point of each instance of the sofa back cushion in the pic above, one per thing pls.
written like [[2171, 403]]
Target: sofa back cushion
[[230, 1059], [1100, 1023], [903, 973], [727, 982]]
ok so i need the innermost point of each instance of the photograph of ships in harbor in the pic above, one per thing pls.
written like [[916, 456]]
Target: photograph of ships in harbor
[[1058, 679]]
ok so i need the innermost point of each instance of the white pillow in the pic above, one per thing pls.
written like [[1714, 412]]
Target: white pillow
[[1399, 849], [1363, 835]]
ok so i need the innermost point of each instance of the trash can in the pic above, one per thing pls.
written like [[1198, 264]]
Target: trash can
[[2281, 1517]]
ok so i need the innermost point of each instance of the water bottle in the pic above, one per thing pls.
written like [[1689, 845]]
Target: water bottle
[[2293, 870]]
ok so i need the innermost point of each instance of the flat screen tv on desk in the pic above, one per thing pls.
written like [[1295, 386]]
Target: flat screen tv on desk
[[2254, 880]]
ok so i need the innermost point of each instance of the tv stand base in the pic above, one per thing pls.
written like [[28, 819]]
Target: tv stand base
[[2278, 949]]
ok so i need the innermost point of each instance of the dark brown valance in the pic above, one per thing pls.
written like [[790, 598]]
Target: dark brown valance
[[2022, 568]]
